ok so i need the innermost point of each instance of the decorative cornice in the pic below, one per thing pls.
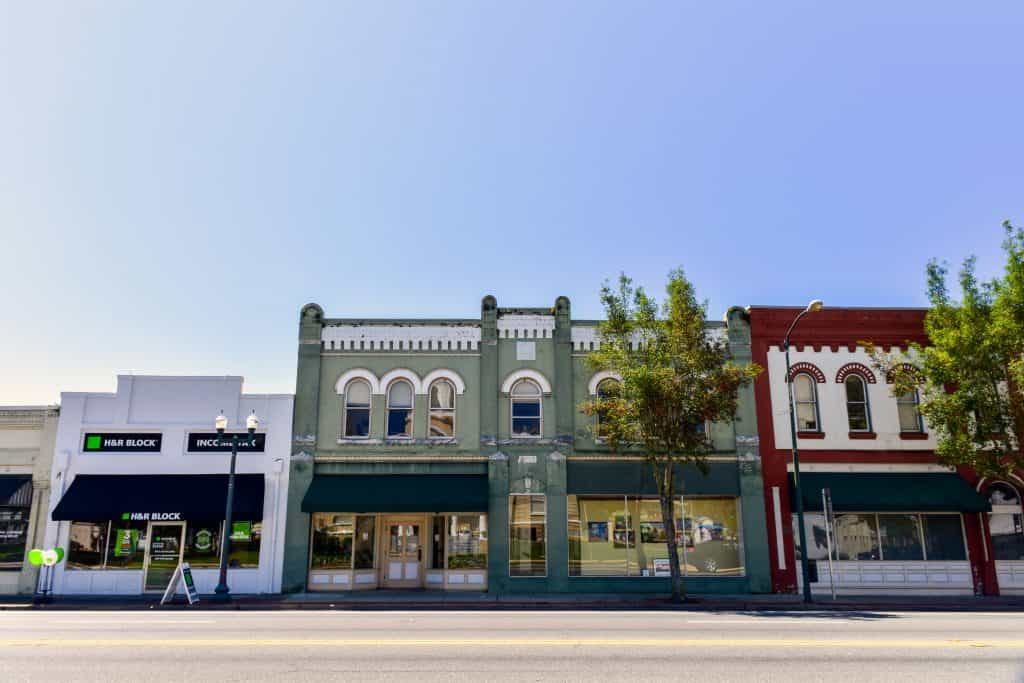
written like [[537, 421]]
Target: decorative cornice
[[525, 326], [404, 338]]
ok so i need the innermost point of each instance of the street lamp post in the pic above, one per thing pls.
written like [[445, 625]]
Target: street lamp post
[[805, 567], [222, 593]]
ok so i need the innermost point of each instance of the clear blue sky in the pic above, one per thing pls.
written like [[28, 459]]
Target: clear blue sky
[[178, 179]]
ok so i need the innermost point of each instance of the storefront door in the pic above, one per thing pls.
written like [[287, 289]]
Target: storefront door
[[403, 552], [163, 553]]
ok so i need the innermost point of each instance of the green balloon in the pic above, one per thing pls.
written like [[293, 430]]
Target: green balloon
[[60, 554], [35, 556]]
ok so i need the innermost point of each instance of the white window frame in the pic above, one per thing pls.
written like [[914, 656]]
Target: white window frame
[[454, 409], [388, 408], [814, 401], [345, 409], [916, 403], [511, 409], [867, 403]]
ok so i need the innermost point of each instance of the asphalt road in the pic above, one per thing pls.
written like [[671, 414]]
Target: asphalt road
[[522, 646]]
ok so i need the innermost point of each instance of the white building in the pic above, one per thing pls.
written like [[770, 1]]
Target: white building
[[140, 485], [27, 434]]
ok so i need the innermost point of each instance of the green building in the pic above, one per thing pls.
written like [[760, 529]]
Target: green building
[[451, 454]]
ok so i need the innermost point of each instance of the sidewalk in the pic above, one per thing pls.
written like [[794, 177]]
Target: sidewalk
[[437, 600]]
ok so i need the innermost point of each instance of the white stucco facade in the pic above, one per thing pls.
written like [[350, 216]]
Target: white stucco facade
[[831, 397], [173, 407]]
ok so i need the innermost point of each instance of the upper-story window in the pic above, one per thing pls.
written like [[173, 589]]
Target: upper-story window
[[400, 410], [442, 410], [526, 408], [910, 416], [607, 388], [357, 409], [806, 397], [857, 411]]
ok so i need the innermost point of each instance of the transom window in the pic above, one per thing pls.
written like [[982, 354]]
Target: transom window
[[526, 409], [442, 410], [910, 417], [805, 395], [357, 409], [857, 412], [400, 399]]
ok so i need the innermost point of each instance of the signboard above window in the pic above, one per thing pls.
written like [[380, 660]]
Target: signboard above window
[[122, 442], [202, 442]]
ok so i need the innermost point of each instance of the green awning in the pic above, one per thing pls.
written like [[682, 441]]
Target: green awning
[[882, 492], [635, 477], [397, 493]]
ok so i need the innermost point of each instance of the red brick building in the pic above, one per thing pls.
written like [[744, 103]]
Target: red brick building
[[903, 522]]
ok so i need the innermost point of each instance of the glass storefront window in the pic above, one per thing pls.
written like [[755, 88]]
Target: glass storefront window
[[712, 532], [527, 552], [87, 542], [1007, 531], [467, 542], [856, 537], [202, 544], [943, 537], [126, 544], [13, 537], [597, 536], [626, 537], [868, 536], [1006, 522], [245, 544], [901, 537], [814, 526], [364, 542], [333, 540], [648, 551]]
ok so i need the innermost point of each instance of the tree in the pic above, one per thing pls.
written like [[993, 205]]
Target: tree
[[971, 374], [673, 376]]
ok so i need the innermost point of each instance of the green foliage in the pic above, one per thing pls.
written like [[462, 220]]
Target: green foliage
[[675, 378], [971, 373]]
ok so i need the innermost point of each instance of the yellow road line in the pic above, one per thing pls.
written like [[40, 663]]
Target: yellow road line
[[505, 642]]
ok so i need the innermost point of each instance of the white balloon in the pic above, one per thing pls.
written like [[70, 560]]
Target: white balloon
[[49, 557]]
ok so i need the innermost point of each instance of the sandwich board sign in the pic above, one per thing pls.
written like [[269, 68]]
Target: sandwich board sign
[[183, 572]]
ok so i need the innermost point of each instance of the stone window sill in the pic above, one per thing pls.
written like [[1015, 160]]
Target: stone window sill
[[863, 435], [810, 435]]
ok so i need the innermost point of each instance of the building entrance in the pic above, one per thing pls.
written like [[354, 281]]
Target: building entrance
[[403, 552], [163, 553]]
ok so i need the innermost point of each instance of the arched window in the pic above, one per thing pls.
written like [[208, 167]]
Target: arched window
[[357, 409], [607, 388], [910, 417], [1005, 523], [806, 396], [526, 409], [442, 410], [400, 410], [857, 412]]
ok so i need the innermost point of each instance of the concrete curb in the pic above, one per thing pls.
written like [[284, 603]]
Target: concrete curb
[[345, 604]]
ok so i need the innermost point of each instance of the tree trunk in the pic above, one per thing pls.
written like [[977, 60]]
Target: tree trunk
[[663, 478]]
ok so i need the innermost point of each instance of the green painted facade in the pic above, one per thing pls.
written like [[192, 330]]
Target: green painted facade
[[502, 340]]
